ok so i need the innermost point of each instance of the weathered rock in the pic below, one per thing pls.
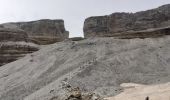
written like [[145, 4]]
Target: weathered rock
[[150, 33], [123, 22], [42, 31], [14, 45], [76, 38], [11, 51], [38, 32], [12, 35], [75, 93]]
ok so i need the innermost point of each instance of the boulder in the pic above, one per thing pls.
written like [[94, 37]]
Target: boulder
[[122, 22]]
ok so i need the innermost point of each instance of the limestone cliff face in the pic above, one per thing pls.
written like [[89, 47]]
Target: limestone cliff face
[[125, 22], [42, 31]]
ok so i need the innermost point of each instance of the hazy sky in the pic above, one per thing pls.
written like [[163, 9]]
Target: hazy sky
[[73, 12]]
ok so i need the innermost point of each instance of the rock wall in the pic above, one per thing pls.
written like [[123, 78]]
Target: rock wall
[[19, 39], [42, 31], [11, 51], [12, 35], [14, 44], [123, 22]]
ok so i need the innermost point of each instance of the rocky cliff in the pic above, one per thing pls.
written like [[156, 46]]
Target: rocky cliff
[[42, 31], [7, 34], [123, 22], [19, 39], [14, 45]]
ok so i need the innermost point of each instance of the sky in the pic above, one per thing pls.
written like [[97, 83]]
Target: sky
[[73, 12]]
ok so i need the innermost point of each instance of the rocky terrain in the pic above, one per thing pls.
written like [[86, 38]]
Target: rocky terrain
[[11, 51], [7, 34], [14, 45], [19, 39], [42, 31], [124, 22], [99, 65], [119, 48]]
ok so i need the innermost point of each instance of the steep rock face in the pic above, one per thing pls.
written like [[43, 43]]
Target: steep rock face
[[12, 35], [14, 45], [19, 39], [42, 31], [11, 51], [149, 33], [123, 22]]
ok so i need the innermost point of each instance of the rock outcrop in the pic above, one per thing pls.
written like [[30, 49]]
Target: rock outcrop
[[12, 35], [42, 31], [123, 22], [14, 45], [149, 33], [11, 51], [19, 39]]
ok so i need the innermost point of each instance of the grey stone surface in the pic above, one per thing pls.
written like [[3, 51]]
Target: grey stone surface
[[7, 34], [96, 64], [123, 22], [43, 31], [36, 32], [14, 44]]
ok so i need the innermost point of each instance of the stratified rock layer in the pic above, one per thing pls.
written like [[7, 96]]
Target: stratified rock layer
[[19, 39], [11, 51], [12, 35], [14, 45], [42, 31], [123, 22]]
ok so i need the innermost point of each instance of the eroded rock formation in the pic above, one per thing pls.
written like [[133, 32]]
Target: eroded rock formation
[[123, 22], [7, 34], [14, 44], [42, 31], [19, 39], [11, 51]]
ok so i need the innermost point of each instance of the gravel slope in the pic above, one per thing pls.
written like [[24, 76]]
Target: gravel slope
[[99, 65]]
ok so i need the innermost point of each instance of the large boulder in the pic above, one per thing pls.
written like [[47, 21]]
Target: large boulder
[[42, 31], [123, 22]]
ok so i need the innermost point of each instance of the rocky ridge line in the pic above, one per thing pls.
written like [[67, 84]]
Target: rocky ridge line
[[121, 23]]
